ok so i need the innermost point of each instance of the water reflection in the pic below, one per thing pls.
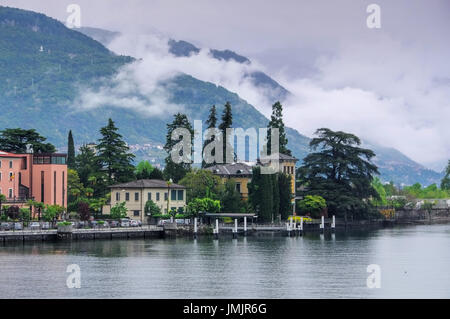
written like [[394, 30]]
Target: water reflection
[[414, 263]]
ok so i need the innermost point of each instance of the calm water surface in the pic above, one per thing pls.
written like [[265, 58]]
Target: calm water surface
[[414, 261]]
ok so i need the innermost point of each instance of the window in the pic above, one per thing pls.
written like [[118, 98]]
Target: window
[[238, 187], [127, 196], [42, 186], [118, 197], [136, 196], [136, 213], [54, 188], [0, 164], [63, 189], [0, 176], [180, 195], [157, 197], [10, 193], [149, 196], [11, 176], [173, 195], [10, 164], [166, 196]]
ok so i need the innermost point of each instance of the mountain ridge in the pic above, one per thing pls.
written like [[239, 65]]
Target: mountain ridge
[[43, 85]]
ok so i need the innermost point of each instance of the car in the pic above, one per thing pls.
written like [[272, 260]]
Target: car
[[114, 224], [5, 226], [134, 223], [82, 224], [18, 226], [35, 226], [45, 225], [124, 222], [94, 224]]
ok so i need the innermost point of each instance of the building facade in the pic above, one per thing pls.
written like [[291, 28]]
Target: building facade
[[242, 172], [42, 177], [166, 196]]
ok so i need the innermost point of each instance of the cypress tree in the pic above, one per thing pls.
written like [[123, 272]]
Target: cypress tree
[[276, 121], [227, 122], [285, 191], [172, 170], [211, 121], [276, 196], [70, 151]]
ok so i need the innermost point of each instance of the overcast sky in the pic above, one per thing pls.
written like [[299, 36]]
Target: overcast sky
[[390, 85]]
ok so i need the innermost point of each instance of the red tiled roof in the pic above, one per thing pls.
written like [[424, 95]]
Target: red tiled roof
[[6, 154]]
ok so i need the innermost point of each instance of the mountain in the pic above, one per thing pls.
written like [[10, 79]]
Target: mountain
[[43, 64]]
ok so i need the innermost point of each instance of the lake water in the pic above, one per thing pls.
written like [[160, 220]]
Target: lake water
[[414, 263]]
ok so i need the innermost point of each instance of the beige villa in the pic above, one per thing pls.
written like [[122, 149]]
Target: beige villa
[[136, 193]]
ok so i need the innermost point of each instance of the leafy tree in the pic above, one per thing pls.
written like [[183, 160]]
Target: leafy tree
[[200, 184], [276, 121], [75, 188], [70, 151], [445, 184], [275, 196], [151, 208], [114, 155], [341, 172], [261, 195], [38, 206], [16, 141], [25, 214], [172, 170], [212, 122], [312, 204], [13, 212], [119, 211], [156, 174], [52, 212], [227, 122], [379, 188], [86, 164], [84, 211], [230, 198], [206, 204], [2, 200], [143, 170]]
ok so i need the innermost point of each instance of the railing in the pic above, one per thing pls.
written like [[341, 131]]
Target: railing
[[16, 200]]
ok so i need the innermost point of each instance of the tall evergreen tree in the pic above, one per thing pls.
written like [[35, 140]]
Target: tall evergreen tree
[[275, 196], [285, 189], [261, 195], [172, 170], [276, 121], [114, 156], [212, 122], [227, 122], [70, 151], [445, 184]]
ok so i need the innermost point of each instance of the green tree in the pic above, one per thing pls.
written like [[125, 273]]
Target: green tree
[[285, 189], [227, 122], [156, 174], [201, 183], [261, 195], [70, 151], [206, 204], [83, 210], [114, 155], [16, 141], [313, 205], [119, 211], [151, 208], [143, 170], [212, 122], [445, 184], [230, 198], [2, 200], [276, 121], [172, 170], [341, 172], [379, 188]]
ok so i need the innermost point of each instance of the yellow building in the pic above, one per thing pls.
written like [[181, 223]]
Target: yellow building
[[241, 172], [136, 194]]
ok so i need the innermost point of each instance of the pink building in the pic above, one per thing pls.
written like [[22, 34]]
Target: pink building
[[42, 177]]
